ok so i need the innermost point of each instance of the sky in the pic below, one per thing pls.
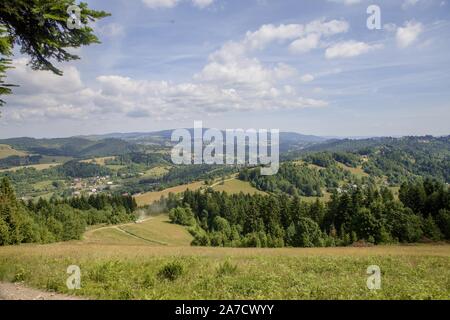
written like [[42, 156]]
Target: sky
[[307, 66]]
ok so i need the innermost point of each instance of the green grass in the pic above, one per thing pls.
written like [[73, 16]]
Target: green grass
[[156, 172], [153, 260], [135, 272], [236, 186], [160, 231], [156, 231], [151, 197]]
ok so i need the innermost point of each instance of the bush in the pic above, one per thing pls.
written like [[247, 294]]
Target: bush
[[171, 271], [226, 269], [308, 234], [182, 216]]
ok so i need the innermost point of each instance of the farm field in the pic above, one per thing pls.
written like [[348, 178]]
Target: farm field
[[150, 197], [128, 262]]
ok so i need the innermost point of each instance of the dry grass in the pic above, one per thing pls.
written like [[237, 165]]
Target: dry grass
[[130, 271], [38, 167], [235, 186], [156, 172], [358, 171], [7, 151], [150, 197], [99, 161]]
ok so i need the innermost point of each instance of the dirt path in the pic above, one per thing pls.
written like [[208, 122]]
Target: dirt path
[[17, 291]]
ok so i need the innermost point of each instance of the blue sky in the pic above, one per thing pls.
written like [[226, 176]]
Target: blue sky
[[307, 66]]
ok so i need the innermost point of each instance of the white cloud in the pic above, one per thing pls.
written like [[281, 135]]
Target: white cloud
[[349, 49], [157, 4], [307, 78], [408, 34], [305, 44], [232, 80], [45, 96]]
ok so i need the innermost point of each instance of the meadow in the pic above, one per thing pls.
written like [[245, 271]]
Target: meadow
[[233, 186], [7, 151], [150, 197], [153, 260]]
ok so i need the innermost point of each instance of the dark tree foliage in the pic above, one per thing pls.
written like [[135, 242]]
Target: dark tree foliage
[[57, 220], [297, 179], [356, 213], [39, 28], [76, 169]]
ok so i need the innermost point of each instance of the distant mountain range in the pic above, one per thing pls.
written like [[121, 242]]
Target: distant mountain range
[[288, 140], [291, 144]]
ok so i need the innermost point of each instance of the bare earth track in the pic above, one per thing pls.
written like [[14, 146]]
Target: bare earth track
[[17, 291]]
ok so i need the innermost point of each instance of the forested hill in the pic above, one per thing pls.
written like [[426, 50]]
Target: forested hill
[[396, 158], [71, 147]]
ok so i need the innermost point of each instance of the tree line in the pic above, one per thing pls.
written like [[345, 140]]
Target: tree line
[[53, 220], [356, 214]]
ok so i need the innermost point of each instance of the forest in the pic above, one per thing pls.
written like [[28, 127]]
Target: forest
[[57, 219], [369, 215]]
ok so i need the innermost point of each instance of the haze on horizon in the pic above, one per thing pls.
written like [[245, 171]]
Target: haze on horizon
[[311, 67]]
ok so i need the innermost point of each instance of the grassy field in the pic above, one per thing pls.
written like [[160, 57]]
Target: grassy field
[[358, 171], [150, 197], [236, 186], [136, 261], [136, 271], [156, 172], [7, 151], [156, 230], [99, 161]]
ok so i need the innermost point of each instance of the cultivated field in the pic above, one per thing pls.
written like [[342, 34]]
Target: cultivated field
[[136, 261]]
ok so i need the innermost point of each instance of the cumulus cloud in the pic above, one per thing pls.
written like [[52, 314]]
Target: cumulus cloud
[[408, 34], [232, 80], [157, 4], [305, 44], [349, 49], [68, 98]]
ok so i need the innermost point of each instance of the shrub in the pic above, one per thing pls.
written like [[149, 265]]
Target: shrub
[[171, 271], [226, 269]]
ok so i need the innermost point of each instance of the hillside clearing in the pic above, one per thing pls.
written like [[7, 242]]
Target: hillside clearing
[[7, 151], [150, 197], [153, 231], [234, 186]]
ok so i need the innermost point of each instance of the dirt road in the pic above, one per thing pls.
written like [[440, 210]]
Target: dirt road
[[17, 291]]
